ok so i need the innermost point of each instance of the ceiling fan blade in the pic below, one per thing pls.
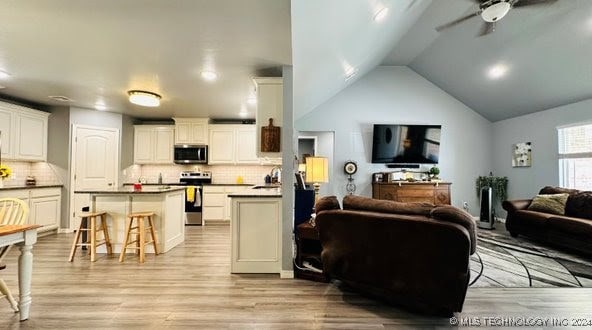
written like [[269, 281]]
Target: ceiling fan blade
[[457, 21], [486, 28], [524, 3]]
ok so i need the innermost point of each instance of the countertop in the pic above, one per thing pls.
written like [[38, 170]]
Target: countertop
[[32, 187], [258, 193], [130, 190]]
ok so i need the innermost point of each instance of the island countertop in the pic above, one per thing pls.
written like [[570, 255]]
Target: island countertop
[[130, 190], [258, 193]]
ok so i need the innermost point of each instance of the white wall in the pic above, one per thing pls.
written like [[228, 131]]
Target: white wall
[[540, 128], [399, 95]]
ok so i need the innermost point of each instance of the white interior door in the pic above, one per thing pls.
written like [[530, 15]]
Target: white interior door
[[95, 159]]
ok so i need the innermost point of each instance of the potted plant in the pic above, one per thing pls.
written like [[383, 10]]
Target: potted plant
[[433, 173], [499, 185]]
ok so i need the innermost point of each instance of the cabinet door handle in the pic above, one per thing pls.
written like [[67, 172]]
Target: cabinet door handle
[[110, 184]]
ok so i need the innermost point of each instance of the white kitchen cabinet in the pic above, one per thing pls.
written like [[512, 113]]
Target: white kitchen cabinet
[[270, 104], [256, 231], [232, 144], [153, 144], [216, 203], [24, 133], [191, 130], [222, 145], [44, 205]]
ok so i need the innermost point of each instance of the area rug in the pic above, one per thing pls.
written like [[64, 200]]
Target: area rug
[[505, 261]]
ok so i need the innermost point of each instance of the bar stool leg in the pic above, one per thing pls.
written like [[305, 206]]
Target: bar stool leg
[[125, 239], [142, 237], [93, 238], [106, 234], [153, 233], [75, 243]]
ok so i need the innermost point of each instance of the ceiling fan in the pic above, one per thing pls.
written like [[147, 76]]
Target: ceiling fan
[[491, 11]]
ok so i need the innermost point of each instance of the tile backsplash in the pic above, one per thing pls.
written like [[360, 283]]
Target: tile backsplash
[[252, 174], [42, 171]]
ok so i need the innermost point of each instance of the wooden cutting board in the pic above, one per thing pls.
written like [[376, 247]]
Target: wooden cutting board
[[270, 138]]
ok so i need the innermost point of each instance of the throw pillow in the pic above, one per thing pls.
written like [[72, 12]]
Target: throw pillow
[[554, 203], [579, 205], [327, 203]]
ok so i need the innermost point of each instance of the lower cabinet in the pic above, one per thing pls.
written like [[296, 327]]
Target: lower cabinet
[[427, 192], [256, 231], [216, 204], [44, 205]]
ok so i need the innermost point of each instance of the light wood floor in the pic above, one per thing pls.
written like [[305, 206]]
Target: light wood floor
[[190, 287]]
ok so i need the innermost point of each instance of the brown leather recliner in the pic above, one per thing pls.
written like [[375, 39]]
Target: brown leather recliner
[[414, 255]]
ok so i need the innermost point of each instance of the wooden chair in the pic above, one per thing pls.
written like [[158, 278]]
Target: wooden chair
[[12, 212], [139, 231], [94, 228]]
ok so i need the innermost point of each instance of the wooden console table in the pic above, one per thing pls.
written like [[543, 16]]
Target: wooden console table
[[24, 236], [429, 192]]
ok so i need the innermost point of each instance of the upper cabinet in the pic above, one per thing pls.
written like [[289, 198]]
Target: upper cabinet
[[153, 144], [232, 144], [23, 133], [191, 130], [270, 98]]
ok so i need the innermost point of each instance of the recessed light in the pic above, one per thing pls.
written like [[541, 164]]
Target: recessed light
[[350, 72], [252, 100], [209, 75], [4, 75], [381, 14], [100, 106], [144, 98], [60, 98], [497, 71]]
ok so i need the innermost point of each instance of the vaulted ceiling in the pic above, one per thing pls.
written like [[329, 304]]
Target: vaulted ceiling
[[95, 51]]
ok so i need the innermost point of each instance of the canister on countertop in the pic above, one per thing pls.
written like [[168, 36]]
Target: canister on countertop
[[239, 180]]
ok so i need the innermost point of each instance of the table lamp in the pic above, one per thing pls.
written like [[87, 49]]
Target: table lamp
[[317, 171]]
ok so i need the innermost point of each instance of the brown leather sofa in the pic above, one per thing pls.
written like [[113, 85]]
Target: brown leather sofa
[[572, 231], [414, 255]]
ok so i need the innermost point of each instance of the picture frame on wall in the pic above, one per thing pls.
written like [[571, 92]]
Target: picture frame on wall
[[522, 154]]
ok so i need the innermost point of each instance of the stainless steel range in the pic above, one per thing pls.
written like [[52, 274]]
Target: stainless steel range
[[194, 195]]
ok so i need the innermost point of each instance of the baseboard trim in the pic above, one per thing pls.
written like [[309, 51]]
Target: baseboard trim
[[65, 231], [287, 273]]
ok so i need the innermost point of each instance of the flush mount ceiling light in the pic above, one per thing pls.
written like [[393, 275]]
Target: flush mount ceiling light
[[143, 98], [209, 75], [380, 14]]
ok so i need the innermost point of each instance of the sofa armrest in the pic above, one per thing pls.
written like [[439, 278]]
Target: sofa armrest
[[515, 205], [458, 216]]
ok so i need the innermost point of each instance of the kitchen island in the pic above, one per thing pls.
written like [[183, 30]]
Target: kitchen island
[[256, 231], [167, 204]]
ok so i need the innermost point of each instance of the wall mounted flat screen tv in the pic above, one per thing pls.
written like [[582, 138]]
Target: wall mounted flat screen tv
[[406, 144]]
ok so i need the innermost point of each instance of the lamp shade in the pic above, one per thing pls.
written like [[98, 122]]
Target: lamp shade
[[317, 169]]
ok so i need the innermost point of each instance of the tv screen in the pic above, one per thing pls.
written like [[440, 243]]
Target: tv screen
[[406, 144]]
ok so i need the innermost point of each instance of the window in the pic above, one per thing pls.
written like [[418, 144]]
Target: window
[[575, 157]]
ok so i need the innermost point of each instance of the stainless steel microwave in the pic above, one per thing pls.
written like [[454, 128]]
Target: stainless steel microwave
[[191, 154]]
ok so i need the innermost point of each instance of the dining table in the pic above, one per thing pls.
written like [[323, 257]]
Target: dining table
[[24, 236]]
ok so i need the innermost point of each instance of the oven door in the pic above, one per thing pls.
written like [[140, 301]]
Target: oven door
[[191, 154], [193, 205]]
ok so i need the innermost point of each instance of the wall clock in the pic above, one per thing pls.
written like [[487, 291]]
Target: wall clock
[[350, 168]]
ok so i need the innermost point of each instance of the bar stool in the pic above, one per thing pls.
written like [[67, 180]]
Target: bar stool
[[139, 231], [94, 227]]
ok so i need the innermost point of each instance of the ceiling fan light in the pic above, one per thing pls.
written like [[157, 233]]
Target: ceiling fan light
[[143, 98], [496, 11]]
